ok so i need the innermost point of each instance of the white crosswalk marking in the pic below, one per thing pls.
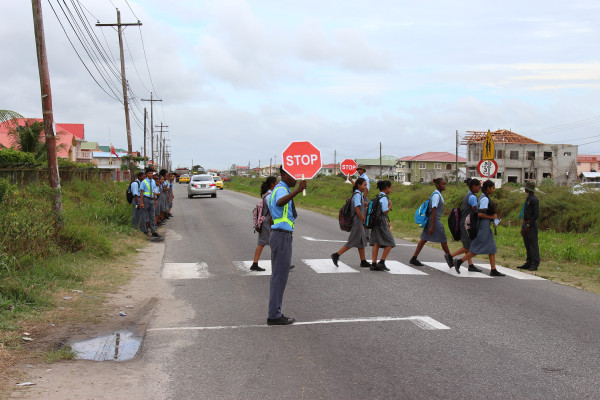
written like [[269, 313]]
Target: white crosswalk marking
[[325, 266], [397, 268], [244, 266], [185, 271], [464, 272], [513, 273]]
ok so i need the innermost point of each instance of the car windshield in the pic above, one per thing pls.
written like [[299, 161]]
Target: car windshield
[[185, 176], [217, 178], [201, 178]]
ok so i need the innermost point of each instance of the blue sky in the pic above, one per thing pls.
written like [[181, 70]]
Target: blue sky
[[247, 77]]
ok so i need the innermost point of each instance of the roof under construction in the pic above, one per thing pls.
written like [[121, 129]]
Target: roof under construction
[[500, 136]]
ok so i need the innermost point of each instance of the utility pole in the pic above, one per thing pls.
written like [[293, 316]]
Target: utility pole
[[271, 166], [456, 167], [334, 162], [152, 100], [145, 118], [119, 26], [161, 144], [48, 115], [380, 163]]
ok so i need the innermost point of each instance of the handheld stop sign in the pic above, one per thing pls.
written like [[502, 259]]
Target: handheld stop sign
[[302, 160], [348, 167]]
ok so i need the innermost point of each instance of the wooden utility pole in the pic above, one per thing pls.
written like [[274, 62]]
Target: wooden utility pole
[[161, 144], [456, 166], [119, 26], [380, 163], [145, 119], [46, 92], [152, 100]]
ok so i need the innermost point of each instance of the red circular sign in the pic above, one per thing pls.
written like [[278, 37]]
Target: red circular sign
[[301, 160], [348, 167], [487, 168]]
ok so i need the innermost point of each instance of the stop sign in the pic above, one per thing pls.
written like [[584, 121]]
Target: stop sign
[[348, 167], [301, 160]]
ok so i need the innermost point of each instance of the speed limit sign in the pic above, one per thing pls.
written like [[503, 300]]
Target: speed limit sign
[[487, 168]]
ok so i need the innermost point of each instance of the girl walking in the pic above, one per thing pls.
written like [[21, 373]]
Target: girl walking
[[484, 243], [434, 230], [381, 234], [468, 205], [357, 236], [265, 229]]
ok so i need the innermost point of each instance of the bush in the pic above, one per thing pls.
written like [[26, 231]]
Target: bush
[[12, 156]]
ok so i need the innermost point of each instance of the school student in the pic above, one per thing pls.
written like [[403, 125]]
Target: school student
[[265, 230], [361, 170], [171, 194], [484, 243], [357, 236], [434, 230], [381, 234], [147, 204], [529, 230], [135, 190], [156, 191], [468, 205]]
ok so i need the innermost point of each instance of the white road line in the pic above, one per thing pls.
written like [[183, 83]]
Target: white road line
[[423, 322], [513, 273], [464, 272], [185, 271], [397, 268], [326, 266], [344, 241], [244, 266]]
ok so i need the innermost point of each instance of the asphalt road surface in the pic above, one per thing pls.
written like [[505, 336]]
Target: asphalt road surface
[[421, 333]]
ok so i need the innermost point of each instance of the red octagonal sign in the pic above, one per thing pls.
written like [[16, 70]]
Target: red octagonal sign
[[301, 160], [348, 167]]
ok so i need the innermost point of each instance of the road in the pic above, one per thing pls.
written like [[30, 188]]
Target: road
[[427, 333]]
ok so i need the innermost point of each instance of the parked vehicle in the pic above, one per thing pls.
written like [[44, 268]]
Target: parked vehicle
[[202, 185], [185, 178], [219, 182]]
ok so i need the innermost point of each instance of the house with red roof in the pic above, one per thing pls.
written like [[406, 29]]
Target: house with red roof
[[588, 163], [426, 167]]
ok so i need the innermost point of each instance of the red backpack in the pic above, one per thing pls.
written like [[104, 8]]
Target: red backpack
[[257, 215]]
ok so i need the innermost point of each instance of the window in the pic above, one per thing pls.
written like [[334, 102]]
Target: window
[[500, 154], [422, 165], [437, 166], [567, 154], [514, 155], [531, 155], [513, 179], [499, 175], [547, 155], [448, 167], [547, 175]]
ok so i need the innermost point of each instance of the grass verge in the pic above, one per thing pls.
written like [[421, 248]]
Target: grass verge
[[569, 224]]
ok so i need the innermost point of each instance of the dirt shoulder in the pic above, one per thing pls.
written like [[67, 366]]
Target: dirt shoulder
[[81, 379]]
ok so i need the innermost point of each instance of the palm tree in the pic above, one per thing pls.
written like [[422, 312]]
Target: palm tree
[[28, 139], [7, 115]]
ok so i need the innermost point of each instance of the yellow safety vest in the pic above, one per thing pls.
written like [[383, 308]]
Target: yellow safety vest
[[148, 193], [284, 217]]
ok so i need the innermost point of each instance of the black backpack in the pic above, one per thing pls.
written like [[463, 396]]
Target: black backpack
[[454, 223], [129, 193], [374, 212]]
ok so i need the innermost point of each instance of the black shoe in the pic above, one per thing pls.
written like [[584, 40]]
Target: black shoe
[[154, 234], [457, 264], [381, 264], [473, 268], [292, 266], [335, 257], [283, 320], [449, 260], [495, 272], [255, 267], [365, 264], [524, 266], [416, 262], [376, 267], [532, 269]]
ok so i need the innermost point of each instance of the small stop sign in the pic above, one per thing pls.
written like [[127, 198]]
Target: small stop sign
[[348, 167], [301, 160]]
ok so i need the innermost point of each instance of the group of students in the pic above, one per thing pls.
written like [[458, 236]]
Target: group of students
[[152, 200]]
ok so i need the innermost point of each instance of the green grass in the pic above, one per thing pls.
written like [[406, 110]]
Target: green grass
[[569, 224]]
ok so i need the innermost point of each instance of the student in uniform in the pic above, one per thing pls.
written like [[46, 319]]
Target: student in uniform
[[357, 236], [135, 190], [529, 230], [434, 230], [362, 173], [468, 205], [381, 234], [156, 191], [281, 207], [484, 243], [147, 204], [265, 230], [171, 194]]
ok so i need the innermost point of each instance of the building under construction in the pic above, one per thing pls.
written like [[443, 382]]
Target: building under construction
[[523, 159]]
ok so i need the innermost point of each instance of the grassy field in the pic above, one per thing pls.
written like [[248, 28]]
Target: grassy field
[[569, 224], [39, 267]]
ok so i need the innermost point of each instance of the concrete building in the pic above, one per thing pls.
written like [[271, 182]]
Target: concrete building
[[522, 159], [386, 166], [426, 167], [588, 163]]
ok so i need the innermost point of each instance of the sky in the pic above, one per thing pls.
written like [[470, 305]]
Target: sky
[[239, 80]]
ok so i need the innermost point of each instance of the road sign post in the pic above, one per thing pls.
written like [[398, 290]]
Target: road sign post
[[487, 168], [302, 160], [488, 147], [348, 167]]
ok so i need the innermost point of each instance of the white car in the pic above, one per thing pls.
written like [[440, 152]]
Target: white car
[[586, 187], [202, 185]]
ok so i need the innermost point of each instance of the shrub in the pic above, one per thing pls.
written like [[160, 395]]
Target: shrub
[[12, 156]]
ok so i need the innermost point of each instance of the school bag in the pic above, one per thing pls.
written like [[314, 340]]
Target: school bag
[[257, 216], [129, 193], [422, 213], [471, 224], [454, 223], [346, 216], [373, 212]]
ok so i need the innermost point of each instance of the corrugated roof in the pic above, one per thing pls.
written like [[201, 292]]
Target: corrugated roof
[[89, 146], [388, 161], [499, 136], [434, 156]]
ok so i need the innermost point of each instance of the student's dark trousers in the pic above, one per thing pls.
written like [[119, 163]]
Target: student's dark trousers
[[531, 246], [281, 258], [137, 214], [148, 214]]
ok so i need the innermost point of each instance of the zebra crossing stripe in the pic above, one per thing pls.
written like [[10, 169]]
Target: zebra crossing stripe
[[464, 273], [244, 266], [185, 271], [397, 268], [326, 266], [513, 273]]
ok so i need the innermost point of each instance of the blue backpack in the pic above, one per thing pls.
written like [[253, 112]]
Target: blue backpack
[[422, 214]]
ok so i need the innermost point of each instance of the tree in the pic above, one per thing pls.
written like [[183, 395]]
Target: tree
[[7, 115], [27, 138]]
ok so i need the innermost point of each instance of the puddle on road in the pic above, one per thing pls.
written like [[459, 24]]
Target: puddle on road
[[118, 346]]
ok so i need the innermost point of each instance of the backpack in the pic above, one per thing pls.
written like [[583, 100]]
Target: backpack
[[346, 216], [454, 223], [471, 224], [129, 193], [257, 216], [422, 213], [373, 212]]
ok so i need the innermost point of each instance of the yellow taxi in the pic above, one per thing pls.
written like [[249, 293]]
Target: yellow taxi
[[185, 178], [219, 182]]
